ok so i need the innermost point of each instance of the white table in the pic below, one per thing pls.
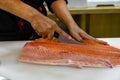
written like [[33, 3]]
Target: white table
[[11, 68]]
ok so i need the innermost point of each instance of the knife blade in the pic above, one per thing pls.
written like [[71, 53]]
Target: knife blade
[[62, 39]]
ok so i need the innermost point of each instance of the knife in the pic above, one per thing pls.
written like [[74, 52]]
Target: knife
[[62, 39]]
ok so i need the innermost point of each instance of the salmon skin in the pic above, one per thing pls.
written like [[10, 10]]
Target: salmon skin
[[52, 52]]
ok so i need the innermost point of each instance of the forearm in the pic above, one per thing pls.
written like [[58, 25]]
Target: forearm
[[19, 8], [60, 9]]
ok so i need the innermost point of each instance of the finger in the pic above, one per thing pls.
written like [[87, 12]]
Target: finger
[[44, 35], [77, 37], [86, 36], [38, 33], [50, 35], [99, 41], [102, 42], [61, 32]]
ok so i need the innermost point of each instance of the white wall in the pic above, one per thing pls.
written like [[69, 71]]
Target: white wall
[[86, 3], [77, 3]]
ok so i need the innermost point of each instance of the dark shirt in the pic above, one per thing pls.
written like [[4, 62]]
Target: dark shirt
[[15, 28]]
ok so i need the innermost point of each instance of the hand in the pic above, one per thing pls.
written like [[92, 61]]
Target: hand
[[46, 27], [79, 35]]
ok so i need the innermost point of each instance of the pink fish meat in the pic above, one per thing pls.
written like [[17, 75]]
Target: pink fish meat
[[51, 52]]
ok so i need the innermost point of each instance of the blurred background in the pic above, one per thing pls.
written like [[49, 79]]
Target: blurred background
[[86, 3]]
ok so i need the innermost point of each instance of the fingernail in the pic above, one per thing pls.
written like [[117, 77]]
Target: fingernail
[[80, 40], [70, 37]]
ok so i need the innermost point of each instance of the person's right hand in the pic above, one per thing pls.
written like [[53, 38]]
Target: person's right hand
[[46, 27]]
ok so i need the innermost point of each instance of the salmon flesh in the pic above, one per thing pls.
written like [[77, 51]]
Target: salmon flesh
[[52, 52]]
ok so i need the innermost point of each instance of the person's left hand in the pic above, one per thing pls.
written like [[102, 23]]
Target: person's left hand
[[78, 34]]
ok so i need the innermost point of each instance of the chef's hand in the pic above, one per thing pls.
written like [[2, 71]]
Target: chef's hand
[[79, 35], [46, 27]]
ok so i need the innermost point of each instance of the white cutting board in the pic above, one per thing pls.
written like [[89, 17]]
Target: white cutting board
[[11, 68]]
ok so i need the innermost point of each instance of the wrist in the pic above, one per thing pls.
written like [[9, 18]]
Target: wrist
[[71, 25], [32, 16]]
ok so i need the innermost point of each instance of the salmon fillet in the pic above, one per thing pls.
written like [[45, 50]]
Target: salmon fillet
[[52, 52]]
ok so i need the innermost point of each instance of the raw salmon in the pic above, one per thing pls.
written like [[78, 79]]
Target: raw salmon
[[52, 52]]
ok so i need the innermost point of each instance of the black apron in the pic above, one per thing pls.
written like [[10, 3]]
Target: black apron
[[15, 28]]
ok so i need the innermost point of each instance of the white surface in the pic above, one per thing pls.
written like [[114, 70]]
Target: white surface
[[15, 70], [77, 3]]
